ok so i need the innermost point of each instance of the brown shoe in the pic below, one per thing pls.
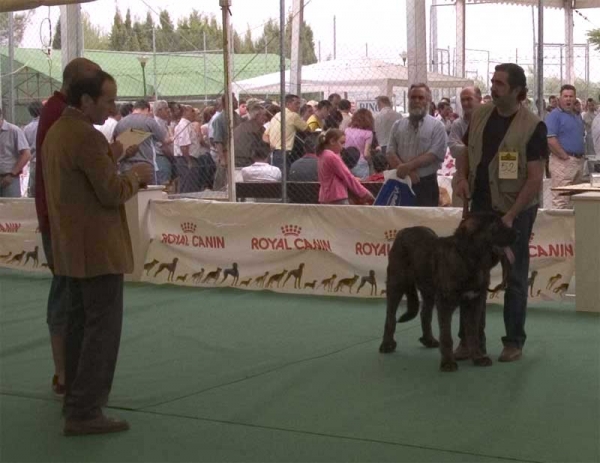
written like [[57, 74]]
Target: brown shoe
[[101, 425], [57, 388], [510, 354], [462, 352]]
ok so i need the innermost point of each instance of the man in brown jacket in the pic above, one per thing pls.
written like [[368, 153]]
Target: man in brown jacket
[[91, 246]]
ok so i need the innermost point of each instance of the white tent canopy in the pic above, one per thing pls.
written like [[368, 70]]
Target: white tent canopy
[[16, 5], [349, 75], [577, 4]]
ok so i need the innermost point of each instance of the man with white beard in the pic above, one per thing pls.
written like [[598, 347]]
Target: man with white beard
[[417, 147]]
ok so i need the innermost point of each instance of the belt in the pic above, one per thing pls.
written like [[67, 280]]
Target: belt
[[576, 155]]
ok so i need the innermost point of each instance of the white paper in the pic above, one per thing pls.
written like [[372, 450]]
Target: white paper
[[132, 137]]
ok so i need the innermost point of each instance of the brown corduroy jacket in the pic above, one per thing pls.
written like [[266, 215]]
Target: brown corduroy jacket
[[85, 195]]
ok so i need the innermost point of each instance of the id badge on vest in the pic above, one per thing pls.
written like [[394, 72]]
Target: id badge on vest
[[509, 165]]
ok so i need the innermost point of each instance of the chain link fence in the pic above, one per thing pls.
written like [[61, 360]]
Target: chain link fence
[[173, 59]]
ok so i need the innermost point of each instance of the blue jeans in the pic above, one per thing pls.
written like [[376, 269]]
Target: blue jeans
[[278, 160], [13, 190], [58, 300], [361, 169], [165, 169], [31, 186], [515, 297], [126, 166]]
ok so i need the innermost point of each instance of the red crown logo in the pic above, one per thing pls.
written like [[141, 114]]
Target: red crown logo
[[291, 230], [390, 235], [188, 227]]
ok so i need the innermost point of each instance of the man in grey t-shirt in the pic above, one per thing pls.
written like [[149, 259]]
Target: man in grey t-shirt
[[470, 98], [14, 156], [141, 119], [221, 141], [384, 120], [164, 151]]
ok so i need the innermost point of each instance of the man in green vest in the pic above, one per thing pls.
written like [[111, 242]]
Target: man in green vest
[[506, 147]]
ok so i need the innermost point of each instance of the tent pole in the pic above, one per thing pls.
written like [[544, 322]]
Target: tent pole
[[540, 59], [296, 47], [225, 8], [11, 63], [282, 97]]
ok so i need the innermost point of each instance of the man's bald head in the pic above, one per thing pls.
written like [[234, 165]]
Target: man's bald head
[[470, 98], [473, 91], [79, 68]]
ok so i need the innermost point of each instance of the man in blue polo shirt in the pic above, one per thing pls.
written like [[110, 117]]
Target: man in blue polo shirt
[[565, 140]]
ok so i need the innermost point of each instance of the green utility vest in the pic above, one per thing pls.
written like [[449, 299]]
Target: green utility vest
[[504, 192]]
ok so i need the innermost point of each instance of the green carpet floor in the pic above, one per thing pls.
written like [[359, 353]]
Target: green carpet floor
[[226, 375]]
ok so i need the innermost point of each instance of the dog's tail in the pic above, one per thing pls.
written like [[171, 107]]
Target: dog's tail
[[412, 305]]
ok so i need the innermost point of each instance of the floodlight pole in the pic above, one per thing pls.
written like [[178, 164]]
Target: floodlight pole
[[540, 60]]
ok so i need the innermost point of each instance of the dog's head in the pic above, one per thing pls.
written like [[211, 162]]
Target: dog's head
[[486, 229]]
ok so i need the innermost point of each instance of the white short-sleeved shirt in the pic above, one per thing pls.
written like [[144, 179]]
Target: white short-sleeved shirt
[[183, 136], [261, 172], [429, 137]]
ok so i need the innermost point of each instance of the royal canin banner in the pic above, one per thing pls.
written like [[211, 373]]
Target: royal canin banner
[[20, 239], [324, 250]]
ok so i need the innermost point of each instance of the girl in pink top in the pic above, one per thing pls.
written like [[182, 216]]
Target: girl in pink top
[[334, 177], [360, 135]]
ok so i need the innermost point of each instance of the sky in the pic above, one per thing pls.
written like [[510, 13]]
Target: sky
[[504, 30]]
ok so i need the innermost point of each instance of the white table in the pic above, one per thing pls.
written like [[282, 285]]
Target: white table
[[587, 251]]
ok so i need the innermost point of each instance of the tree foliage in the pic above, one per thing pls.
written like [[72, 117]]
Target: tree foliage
[[191, 33], [20, 21], [594, 38], [93, 36], [269, 41]]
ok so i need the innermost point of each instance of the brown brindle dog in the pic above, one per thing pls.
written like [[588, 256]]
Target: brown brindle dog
[[448, 272]]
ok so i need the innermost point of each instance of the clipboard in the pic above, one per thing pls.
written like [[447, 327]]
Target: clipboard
[[132, 137]]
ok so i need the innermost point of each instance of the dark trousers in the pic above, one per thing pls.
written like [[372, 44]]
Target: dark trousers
[[427, 192], [187, 175], [515, 297], [93, 337], [58, 303]]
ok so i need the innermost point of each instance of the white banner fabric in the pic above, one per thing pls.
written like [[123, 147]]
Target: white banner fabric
[[324, 250], [20, 240]]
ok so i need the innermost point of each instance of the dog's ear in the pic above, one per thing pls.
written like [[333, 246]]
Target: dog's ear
[[469, 225]]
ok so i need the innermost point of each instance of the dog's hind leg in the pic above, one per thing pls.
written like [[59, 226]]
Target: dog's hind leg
[[426, 315], [393, 297], [412, 303]]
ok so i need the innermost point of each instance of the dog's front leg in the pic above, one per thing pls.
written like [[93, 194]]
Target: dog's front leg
[[445, 311], [393, 297], [476, 330], [426, 315]]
